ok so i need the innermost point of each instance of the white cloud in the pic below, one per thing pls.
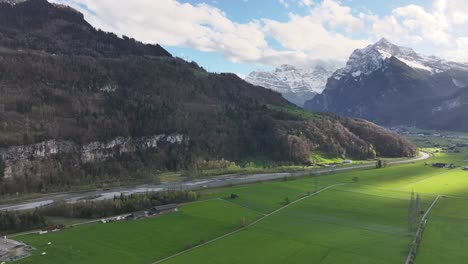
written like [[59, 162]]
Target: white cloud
[[455, 10], [327, 31], [202, 27], [308, 35], [433, 26], [207, 28], [337, 15], [460, 53], [306, 2], [284, 3]]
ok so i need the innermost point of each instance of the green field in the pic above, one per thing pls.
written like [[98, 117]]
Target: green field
[[446, 235], [359, 221]]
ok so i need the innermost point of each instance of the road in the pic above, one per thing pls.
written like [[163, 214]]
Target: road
[[220, 181]]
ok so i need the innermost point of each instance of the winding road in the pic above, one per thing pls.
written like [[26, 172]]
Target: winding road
[[220, 181]]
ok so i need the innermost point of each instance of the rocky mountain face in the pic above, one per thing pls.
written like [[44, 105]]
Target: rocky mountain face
[[394, 85], [84, 107], [295, 84]]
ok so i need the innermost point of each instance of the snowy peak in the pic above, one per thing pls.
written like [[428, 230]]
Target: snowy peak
[[388, 49], [374, 57], [290, 80]]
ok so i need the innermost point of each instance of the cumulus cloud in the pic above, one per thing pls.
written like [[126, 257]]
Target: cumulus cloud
[[327, 31], [171, 23], [207, 28], [337, 15], [306, 2], [308, 35], [433, 26], [284, 3], [460, 53]]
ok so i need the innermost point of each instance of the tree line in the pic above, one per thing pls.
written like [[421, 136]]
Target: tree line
[[14, 222], [118, 205]]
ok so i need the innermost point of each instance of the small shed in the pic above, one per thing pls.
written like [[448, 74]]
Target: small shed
[[465, 168], [164, 208]]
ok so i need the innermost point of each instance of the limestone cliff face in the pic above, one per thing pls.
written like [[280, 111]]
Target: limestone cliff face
[[21, 159]]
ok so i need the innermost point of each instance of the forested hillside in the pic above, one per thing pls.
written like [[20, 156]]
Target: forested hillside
[[81, 106]]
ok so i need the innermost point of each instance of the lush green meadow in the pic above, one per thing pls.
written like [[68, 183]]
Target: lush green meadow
[[336, 226], [362, 220], [142, 241], [446, 236]]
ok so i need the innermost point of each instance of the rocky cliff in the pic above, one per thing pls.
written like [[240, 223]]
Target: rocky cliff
[[20, 160]]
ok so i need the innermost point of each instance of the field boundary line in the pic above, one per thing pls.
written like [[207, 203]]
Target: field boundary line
[[242, 206], [419, 233], [248, 226]]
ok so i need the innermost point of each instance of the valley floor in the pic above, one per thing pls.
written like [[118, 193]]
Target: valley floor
[[351, 217]]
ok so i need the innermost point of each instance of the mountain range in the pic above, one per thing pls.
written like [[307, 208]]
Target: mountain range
[[297, 85], [393, 85], [80, 106]]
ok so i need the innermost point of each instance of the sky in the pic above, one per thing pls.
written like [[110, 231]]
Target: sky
[[240, 36]]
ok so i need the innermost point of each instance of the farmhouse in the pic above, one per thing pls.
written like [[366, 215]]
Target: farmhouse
[[137, 215], [164, 209]]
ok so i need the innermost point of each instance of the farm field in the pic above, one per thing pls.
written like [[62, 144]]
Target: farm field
[[141, 241], [446, 236], [336, 226], [361, 220]]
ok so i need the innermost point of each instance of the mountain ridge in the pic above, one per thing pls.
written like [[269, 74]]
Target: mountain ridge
[[297, 85], [127, 106], [391, 85], [59, 29]]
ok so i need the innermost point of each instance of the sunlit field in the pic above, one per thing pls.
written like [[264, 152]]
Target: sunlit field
[[360, 218]]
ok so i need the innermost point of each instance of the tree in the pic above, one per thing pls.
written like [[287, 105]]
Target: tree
[[414, 211], [286, 201], [381, 164], [243, 222], [417, 205], [411, 213], [2, 169]]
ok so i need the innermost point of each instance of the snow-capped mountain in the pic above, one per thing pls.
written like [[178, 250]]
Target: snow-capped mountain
[[295, 84], [393, 85], [367, 60]]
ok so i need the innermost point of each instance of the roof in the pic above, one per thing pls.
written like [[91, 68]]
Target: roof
[[166, 207], [141, 213]]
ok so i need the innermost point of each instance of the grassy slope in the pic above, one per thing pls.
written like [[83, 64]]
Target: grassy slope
[[364, 221]]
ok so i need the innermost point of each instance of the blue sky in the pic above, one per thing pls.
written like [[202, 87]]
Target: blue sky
[[244, 11], [243, 35]]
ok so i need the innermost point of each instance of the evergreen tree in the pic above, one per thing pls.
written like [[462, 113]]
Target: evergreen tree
[[417, 206], [411, 212]]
